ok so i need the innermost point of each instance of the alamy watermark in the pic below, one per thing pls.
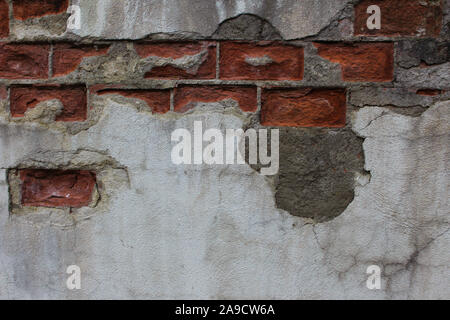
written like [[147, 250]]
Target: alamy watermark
[[74, 280], [74, 21], [374, 20], [227, 148], [374, 278]]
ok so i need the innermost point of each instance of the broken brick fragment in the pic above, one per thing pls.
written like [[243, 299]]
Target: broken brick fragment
[[67, 57], [185, 97], [188, 60], [157, 100]]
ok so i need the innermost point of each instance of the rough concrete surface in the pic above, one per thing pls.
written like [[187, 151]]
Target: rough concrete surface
[[294, 19]]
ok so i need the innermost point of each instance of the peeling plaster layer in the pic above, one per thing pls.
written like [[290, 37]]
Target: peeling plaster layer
[[134, 19], [215, 232]]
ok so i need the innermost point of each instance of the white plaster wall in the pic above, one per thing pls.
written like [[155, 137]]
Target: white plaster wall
[[134, 19], [214, 232]]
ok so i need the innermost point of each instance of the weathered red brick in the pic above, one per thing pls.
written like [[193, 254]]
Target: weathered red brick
[[23, 61], [303, 107], [4, 19], [72, 97], [3, 93], [185, 97], [67, 57], [429, 92], [260, 61], [56, 188], [421, 18], [25, 9], [202, 55], [365, 62], [157, 100]]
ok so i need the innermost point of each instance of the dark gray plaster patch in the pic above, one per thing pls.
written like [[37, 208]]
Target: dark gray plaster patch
[[411, 53], [246, 27], [318, 167], [398, 97], [317, 171]]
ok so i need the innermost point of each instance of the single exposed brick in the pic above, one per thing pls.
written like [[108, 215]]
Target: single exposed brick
[[365, 62], [26, 9], [260, 61], [72, 97], [185, 97], [429, 92], [23, 61], [56, 188], [157, 100], [303, 107], [421, 18], [188, 60], [4, 19], [67, 57]]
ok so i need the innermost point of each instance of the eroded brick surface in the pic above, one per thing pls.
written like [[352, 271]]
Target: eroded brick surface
[[3, 92], [26, 9], [186, 97], [56, 188], [72, 97], [196, 60], [364, 62], [260, 61], [67, 57], [401, 18], [157, 100], [4, 19], [303, 107], [23, 61]]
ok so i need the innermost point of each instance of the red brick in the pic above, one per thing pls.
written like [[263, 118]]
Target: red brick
[[25, 9], [260, 61], [56, 188], [401, 18], [4, 19], [73, 98], [365, 62], [23, 61], [429, 92], [67, 57], [3, 93], [205, 69], [303, 107], [157, 100], [185, 97]]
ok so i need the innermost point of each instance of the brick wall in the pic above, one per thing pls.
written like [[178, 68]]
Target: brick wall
[[273, 79]]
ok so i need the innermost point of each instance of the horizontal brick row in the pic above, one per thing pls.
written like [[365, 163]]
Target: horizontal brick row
[[280, 106], [361, 62]]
